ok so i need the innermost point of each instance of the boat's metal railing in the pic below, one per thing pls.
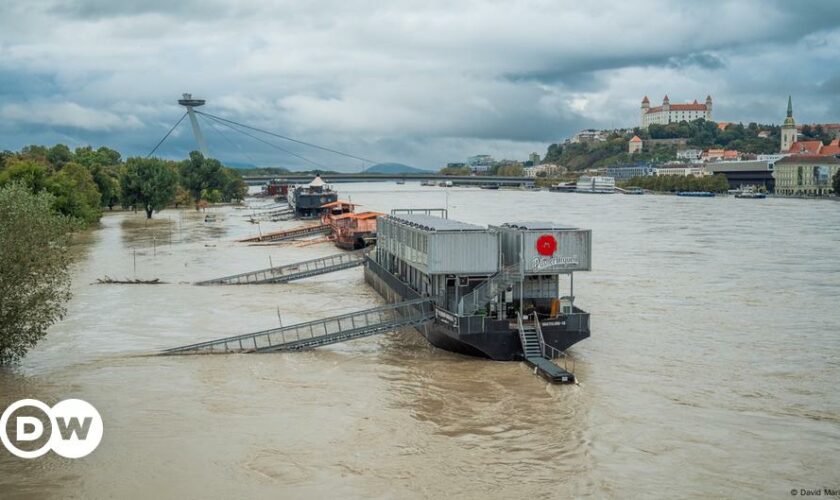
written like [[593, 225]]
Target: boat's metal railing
[[551, 352], [320, 332], [483, 293], [463, 324], [293, 271], [443, 213], [577, 320]]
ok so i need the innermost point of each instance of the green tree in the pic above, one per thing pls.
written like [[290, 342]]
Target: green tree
[[59, 155], [34, 276], [108, 182], [455, 171], [212, 196], [147, 183], [511, 171], [552, 155], [30, 173], [35, 152], [76, 193], [200, 174], [233, 188], [102, 157], [5, 157]]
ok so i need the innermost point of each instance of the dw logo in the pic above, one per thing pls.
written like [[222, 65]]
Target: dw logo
[[75, 428]]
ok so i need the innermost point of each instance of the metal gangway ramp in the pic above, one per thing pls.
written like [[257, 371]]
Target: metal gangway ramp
[[541, 356], [289, 234], [320, 332], [296, 271]]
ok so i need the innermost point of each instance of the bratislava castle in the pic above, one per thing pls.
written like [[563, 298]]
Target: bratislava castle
[[668, 113]]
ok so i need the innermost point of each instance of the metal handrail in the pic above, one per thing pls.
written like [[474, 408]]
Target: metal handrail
[[417, 309], [480, 295], [538, 328], [296, 266], [521, 330], [551, 352]]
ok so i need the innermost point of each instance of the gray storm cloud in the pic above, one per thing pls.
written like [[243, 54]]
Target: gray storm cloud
[[417, 82]]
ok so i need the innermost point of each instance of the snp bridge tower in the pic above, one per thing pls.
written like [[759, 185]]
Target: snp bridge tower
[[190, 103]]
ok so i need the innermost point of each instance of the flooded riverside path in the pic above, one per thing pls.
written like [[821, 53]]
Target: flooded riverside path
[[712, 369]]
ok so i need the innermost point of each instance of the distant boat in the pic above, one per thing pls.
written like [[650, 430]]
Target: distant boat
[[563, 188], [597, 184], [490, 186], [400, 181], [750, 193], [634, 190], [697, 194]]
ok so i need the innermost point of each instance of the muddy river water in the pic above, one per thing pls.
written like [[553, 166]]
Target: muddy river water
[[712, 370]]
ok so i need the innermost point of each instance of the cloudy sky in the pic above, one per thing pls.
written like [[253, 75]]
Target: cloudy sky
[[419, 82]]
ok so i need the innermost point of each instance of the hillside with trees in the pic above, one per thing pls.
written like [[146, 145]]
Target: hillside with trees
[[700, 134]]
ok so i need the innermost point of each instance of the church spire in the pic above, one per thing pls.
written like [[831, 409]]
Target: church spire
[[790, 108]]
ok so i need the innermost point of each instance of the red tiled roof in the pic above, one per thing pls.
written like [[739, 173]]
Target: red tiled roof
[[806, 148], [797, 159], [635, 139]]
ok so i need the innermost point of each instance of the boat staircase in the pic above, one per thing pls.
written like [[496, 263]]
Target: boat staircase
[[541, 356], [296, 271], [320, 332], [474, 301], [289, 234]]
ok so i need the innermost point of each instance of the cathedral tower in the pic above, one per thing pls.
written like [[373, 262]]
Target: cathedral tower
[[788, 129]]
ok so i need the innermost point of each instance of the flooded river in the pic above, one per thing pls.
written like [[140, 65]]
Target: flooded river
[[712, 370]]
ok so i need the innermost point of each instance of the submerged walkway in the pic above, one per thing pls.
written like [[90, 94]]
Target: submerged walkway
[[320, 332], [289, 234], [291, 272]]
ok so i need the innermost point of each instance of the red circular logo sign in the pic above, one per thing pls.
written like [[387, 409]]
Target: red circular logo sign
[[546, 245]]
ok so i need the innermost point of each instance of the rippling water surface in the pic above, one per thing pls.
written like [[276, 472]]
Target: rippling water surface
[[712, 370]]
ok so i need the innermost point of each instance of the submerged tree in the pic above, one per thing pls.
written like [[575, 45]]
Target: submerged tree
[[147, 183], [34, 276], [201, 175]]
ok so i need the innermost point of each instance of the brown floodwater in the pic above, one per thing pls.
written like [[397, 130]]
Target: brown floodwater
[[712, 370]]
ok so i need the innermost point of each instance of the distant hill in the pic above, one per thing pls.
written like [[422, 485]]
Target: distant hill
[[260, 171], [394, 168], [238, 164]]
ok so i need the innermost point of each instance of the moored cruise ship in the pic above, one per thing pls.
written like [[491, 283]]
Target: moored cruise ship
[[597, 184], [485, 282]]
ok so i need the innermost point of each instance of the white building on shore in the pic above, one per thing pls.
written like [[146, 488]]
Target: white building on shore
[[675, 113]]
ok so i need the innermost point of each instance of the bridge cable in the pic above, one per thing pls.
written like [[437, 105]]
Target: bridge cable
[[228, 139], [167, 135], [348, 155], [265, 142], [256, 138]]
